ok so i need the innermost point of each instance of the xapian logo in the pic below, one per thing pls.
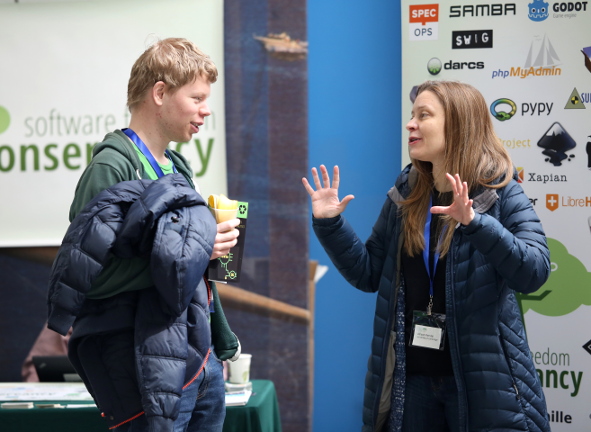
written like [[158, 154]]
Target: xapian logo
[[537, 10], [554, 201], [434, 65], [542, 60], [423, 22], [467, 39], [539, 178], [556, 142]]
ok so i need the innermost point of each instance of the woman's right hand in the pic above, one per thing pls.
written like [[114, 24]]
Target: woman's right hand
[[325, 199]]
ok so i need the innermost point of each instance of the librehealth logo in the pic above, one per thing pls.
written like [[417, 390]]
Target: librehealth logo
[[537, 10], [4, 119], [423, 22], [542, 60]]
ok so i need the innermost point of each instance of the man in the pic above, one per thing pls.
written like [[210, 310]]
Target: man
[[137, 342]]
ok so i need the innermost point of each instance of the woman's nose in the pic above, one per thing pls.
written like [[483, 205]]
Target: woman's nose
[[411, 125]]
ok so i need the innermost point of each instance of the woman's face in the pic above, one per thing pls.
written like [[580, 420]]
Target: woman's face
[[426, 140]]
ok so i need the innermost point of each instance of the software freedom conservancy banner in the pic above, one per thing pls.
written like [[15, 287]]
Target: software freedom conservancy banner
[[64, 73], [531, 61]]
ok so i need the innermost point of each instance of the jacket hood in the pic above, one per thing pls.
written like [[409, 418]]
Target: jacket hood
[[119, 142]]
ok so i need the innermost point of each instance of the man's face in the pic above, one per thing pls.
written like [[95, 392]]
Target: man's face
[[184, 110]]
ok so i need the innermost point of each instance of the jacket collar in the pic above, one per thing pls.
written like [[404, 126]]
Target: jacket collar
[[483, 201]]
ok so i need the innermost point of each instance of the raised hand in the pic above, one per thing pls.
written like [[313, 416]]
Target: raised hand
[[461, 209], [325, 199]]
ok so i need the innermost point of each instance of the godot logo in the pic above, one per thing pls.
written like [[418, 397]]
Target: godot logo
[[537, 10], [4, 119], [423, 22]]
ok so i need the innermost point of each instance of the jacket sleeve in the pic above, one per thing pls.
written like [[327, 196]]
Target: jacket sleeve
[[360, 264], [516, 244]]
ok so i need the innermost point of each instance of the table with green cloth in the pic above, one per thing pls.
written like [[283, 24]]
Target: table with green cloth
[[79, 414]]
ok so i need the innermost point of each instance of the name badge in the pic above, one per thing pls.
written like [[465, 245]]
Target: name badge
[[428, 330]]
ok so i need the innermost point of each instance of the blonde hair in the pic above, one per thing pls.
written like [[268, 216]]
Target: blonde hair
[[472, 150], [174, 61]]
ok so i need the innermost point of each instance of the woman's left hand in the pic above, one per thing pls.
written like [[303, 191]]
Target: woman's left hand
[[461, 209]]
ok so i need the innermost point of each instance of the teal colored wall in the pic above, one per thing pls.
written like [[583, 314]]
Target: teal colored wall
[[354, 72]]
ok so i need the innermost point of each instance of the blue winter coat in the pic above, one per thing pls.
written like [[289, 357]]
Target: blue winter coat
[[168, 221], [501, 251]]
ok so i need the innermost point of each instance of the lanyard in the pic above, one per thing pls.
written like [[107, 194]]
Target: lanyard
[[146, 152], [426, 251]]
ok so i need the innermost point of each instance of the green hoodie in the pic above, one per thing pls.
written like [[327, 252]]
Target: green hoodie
[[115, 160]]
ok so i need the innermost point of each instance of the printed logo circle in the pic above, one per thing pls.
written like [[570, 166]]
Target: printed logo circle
[[434, 66], [4, 119]]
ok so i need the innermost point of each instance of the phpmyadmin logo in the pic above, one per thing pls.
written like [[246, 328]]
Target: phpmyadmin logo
[[423, 22], [4, 119], [542, 60], [537, 10], [556, 142]]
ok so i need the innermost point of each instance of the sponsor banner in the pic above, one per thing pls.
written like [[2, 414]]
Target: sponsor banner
[[66, 67], [532, 63]]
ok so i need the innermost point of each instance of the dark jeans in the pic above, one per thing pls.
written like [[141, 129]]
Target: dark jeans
[[430, 404]]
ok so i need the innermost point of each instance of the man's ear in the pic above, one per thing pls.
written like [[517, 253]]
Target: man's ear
[[158, 91]]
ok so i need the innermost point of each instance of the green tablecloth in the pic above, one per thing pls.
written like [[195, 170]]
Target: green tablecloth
[[261, 414]]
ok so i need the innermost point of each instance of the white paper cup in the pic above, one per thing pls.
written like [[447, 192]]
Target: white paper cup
[[239, 370], [223, 215]]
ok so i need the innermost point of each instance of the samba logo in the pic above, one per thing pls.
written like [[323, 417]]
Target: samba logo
[[537, 10]]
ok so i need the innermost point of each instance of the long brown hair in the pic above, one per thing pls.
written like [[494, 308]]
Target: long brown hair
[[472, 150]]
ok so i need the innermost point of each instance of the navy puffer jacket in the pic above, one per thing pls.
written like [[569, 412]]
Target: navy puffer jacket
[[501, 251], [168, 221]]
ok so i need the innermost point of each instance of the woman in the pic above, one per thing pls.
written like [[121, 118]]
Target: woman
[[449, 351]]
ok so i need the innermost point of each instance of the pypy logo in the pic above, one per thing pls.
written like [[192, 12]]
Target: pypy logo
[[537, 10], [423, 22], [506, 110], [4, 119], [556, 142]]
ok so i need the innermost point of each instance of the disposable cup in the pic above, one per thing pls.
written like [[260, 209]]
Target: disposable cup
[[239, 370], [223, 215]]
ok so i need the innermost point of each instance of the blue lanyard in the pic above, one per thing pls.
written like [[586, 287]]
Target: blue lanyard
[[427, 236], [146, 152]]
